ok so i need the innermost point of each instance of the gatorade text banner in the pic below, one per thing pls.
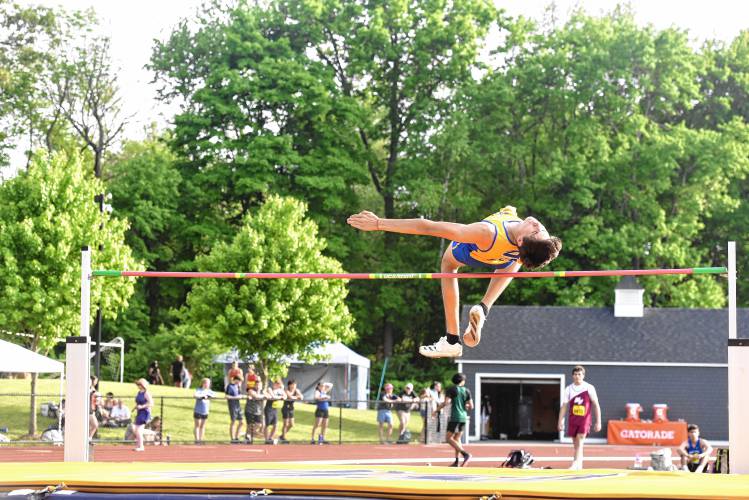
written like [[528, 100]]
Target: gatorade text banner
[[648, 433]]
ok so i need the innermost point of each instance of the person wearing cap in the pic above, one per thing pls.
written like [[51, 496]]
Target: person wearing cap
[[384, 415], [408, 398]]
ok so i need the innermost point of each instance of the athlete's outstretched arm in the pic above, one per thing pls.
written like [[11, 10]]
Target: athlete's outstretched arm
[[480, 233]]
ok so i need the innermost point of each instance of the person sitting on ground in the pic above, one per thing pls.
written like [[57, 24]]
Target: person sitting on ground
[[695, 451], [384, 413], [105, 409], [292, 394], [120, 414], [150, 433]]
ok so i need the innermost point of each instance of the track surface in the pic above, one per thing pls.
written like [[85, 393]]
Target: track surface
[[484, 454]]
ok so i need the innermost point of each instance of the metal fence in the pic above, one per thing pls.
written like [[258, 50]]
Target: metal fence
[[172, 422]]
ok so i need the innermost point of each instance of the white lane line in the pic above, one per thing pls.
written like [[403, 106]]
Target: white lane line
[[499, 460]]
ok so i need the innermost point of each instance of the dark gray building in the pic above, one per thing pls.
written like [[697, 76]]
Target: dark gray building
[[636, 355]]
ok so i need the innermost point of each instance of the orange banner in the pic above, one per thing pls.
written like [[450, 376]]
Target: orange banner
[[651, 433]]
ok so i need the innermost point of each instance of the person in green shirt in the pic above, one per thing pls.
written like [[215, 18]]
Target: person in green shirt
[[459, 397]]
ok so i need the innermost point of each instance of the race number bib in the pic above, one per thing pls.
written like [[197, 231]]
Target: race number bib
[[578, 410]]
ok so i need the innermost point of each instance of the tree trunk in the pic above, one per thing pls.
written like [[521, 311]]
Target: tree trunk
[[388, 337], [32, 412]]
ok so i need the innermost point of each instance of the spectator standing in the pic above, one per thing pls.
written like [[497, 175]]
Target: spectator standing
[[203, 395], [322, 398], [384, 413], [579, 398], [460, 401], [154, 374], [425, 404], [186, 378], [143, 405], [408, 398], [251, 378], [292, 394], [275, 395], [695, 451], [177, 366], [486, 413], [120, 414], [234, 371], [233, 397], [253, 410], [95, 401], [436, 397]]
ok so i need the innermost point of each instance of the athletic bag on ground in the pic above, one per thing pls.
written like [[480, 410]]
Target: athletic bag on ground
[[404, 438], [518, 459]]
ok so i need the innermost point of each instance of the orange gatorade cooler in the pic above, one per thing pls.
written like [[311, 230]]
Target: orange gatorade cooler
[[633, 412], [660, 413]]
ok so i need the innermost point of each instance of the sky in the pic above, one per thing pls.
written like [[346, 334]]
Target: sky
[[134, 24]]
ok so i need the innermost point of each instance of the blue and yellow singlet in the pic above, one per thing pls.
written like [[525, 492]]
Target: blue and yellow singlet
[[502, 253]]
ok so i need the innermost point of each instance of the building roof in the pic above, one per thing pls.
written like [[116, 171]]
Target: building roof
[[662, 335]]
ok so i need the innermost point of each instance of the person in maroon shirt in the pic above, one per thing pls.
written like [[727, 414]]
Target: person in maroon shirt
[[579, 398]]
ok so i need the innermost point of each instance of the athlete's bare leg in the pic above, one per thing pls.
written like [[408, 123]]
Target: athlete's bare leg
[[498, 285], [450, 292]]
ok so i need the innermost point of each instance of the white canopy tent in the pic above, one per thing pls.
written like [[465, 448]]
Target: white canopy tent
[[344, 368], [17, 359]]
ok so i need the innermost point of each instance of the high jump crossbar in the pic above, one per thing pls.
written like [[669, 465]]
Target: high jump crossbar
[[401, 276]]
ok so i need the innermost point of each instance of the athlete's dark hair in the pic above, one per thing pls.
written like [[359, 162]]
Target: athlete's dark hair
[[578, 368], [458, 378], [693, 427], [536, 253]]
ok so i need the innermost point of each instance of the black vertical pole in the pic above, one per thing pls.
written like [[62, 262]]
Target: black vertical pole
[[97, 351], [99, 198]]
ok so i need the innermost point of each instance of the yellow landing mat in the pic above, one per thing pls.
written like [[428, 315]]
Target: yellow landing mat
[[396, 482]]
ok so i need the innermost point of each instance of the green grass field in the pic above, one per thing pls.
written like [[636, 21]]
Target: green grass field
[[176, 408]]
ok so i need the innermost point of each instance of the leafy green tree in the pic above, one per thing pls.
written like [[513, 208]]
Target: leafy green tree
[[35, 77], [724, 106], [145, 189], [584, 127], [46, 215], [26, 35], [313, 98], [273, 318]]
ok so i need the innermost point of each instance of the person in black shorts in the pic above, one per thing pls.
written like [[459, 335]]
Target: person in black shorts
[[322, 398], [287, 412], [253, 411], [233, 397], [459, 397], [275, 396]]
